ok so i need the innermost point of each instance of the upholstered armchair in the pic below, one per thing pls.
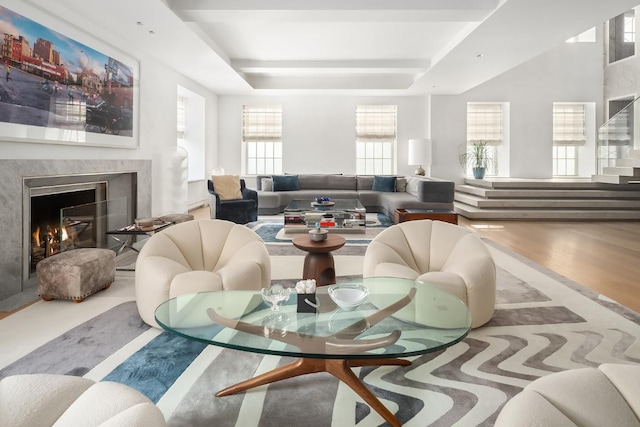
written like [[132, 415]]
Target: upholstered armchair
[[44, 400], [445, 255], [198, 256], [239, 205]]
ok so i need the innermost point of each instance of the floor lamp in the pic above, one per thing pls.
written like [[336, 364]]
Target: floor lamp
[[420, 154]]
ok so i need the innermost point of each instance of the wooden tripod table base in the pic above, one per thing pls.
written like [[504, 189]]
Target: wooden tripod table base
[[339, 368]]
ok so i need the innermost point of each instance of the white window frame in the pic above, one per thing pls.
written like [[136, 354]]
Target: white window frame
[[565, 160], [262, 139], [376, 136]]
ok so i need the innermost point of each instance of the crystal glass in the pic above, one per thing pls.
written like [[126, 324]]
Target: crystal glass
[[275, 296]]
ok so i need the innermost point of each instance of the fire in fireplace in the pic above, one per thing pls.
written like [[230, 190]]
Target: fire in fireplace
[[51, 232]]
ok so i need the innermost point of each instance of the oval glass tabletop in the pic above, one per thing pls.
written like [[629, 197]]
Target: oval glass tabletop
[[400, 318]]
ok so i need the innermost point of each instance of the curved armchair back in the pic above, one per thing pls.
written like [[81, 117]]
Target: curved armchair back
[[196, 256], [445, 255]]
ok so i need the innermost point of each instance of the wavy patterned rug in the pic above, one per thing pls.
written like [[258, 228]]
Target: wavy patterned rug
[[544, 323]]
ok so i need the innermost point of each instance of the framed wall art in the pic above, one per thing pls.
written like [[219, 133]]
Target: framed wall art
[[56, 89]]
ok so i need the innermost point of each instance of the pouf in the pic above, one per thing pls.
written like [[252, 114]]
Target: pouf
[[587, 397], [45, 400], [76, 274]]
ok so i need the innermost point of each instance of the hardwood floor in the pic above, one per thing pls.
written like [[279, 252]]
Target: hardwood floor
[[603, 256]]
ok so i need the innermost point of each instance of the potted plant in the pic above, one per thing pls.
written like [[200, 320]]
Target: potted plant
[[477, 157]]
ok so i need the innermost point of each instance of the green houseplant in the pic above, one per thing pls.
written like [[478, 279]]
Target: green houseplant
[[476, 156]]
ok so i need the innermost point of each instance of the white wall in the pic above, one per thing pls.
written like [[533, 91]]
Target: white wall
[[318, 131], [157, 125], [572, 72]]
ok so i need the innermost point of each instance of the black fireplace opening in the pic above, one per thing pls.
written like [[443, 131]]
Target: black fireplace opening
[[51, 233]]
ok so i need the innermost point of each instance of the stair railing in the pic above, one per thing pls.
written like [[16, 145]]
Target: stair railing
[[616, 138]]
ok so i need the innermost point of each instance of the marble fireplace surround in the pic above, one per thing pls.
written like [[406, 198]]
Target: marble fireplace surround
[[14, 176]]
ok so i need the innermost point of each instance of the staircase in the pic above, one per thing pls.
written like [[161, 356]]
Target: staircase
[[552, 199], [626, 170]]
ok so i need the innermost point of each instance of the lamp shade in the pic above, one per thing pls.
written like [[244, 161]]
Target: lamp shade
[[420, 152]]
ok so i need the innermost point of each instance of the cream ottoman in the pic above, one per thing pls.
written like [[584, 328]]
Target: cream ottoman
[[44, 400], [76, 274], [591, 397]]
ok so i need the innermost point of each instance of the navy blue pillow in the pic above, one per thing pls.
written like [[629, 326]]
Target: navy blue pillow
[[285, 183], [384, 183]]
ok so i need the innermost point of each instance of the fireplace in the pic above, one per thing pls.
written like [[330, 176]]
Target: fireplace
[[50, 231], [74, 211]]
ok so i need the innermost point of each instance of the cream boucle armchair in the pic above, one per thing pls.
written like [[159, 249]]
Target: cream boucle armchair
[[608, 395], [445, 255], [196, 256], [45, 400]]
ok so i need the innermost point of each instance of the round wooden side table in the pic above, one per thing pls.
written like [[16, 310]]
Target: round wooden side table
[[318, 263]]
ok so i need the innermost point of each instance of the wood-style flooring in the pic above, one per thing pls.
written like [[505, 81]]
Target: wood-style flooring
[[603, 256]]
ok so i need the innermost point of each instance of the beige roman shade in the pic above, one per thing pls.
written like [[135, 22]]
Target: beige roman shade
[[261, 123]]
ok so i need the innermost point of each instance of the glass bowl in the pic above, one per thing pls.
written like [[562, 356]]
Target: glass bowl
[[348, 295], [275, 296]]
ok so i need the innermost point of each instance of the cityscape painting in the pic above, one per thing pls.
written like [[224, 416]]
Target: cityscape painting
[[61, 89]]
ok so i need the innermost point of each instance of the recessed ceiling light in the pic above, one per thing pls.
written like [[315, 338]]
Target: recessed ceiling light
[[479, 55], [151, 32], [139, 23]]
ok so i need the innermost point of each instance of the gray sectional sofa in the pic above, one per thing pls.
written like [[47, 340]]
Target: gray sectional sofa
[[411, 192]]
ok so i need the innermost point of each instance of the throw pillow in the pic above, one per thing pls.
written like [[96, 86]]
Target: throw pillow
[[227, 186], [384, 183], [266, 184], [285, 183], [401, 184]]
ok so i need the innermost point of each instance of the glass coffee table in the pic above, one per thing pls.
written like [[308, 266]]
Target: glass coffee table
[[343, 215], [399, 319]]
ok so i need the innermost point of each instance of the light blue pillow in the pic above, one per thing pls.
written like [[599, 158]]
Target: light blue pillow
[[285, 183], [384, 183]]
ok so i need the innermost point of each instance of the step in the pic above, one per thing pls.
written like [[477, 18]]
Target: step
[[613, 179], [554, 183], [524, 203], [522, 193], [628, 162], [544, 214], [622, 170]]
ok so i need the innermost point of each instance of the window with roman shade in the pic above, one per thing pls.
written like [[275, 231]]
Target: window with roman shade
[[569, 133], [262, 136], [569, 124], [484, 123], [376, 129]]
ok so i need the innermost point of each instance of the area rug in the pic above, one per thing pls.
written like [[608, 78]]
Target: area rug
[[543, 323]]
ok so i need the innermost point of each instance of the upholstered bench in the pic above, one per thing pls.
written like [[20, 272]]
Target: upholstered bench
[[44, 400], [76, 274]]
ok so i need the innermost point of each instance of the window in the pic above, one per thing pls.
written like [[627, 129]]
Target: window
[[588, 36], [622, 36], [485, 124], [262, 136], [629, 26], [181, 117], [568, 135], [376, 139], [565, 160], [190, 130]]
